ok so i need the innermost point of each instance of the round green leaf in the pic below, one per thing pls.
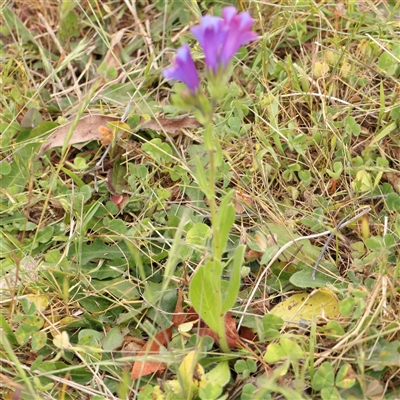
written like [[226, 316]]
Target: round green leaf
[[39, 339], [274, 353], [346, 377], [324, 377], [5, 168], [393, 202]]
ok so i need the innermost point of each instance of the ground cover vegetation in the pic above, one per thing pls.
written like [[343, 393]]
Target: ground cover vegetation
[[231, 234]]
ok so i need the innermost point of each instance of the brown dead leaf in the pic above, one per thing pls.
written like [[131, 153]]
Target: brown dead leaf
[[151, 348], [112, 57], [394, 179], [86, 130], [264, 242], [232, 336], [119, 200], [241, 199], [170, 125], [231, 331], [253, 255], [247, 334], [131, 346], [179, 317], [105, 135]]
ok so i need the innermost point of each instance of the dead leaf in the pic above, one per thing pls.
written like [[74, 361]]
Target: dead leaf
[[170, 125], [241, 199], [151, 348], [265, 241], [232, 336], [86, 130], [112, 57], [247, 334], [27, 272], [179, 317], [394, 179], [253, 255], [119, 200], [375, 390], [131, 346], [105, 135]]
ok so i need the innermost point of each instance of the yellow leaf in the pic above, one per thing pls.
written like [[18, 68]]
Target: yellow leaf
[[61, 341], [41, 301], [185, 328], [305, 306], [321, 69], [191, 374], [362, 182]]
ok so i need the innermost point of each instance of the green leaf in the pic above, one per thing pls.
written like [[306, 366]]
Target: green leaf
[[271, 321], [385, 354], [80, 163], [113, 339], [95, 304], [120, 287], [346, 377], [235, 279], [5, 168], [248, 392], [205, 295], [387, 63], [117, 226], [39, 340], [201, 178], [14, 22], [330, 393], [274, 353], [98, 250], [15, 180], [324, 377], [393, 202], [375, 243], [69, 26], [7, 330], [220, 375], [210, 392], [291, 348], [118, 181], [159, 150], [225, 220], [25, 330], [333, 330], [303, 279], [198, 235], [240, 366]]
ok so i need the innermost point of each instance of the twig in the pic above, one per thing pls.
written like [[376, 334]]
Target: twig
[[330, 237]]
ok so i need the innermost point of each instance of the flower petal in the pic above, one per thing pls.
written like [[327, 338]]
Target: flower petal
[[211, 34], [183, 69], [239, 32]]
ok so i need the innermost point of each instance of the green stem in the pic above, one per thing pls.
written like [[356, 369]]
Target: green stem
[[211, 147]]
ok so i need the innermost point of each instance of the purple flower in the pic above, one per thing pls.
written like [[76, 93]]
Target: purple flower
[[211, 34], [184, 69], [220, 38], [239, 32]]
